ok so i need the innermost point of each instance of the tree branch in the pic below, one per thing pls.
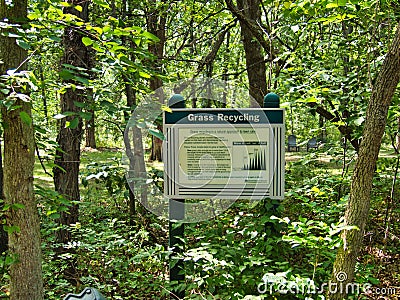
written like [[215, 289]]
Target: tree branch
[[344, 129], [253, 27], [214, 50]]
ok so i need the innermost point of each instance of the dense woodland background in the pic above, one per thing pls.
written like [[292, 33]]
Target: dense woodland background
[[72, 72]]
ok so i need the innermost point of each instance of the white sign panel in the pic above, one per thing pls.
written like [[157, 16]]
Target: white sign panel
[[224, 153]]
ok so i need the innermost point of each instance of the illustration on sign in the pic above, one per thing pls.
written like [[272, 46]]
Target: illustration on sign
[[223, 156]]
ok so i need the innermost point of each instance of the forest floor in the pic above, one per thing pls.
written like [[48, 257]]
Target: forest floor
[[379, 258]]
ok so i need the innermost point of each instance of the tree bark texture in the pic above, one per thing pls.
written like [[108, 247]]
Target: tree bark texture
[[254, 26], [3, 233], [69, 139], [90, 131], [24, 243], [255, 64], [135, 151], [156, 21], [90, 126], [359, 202]]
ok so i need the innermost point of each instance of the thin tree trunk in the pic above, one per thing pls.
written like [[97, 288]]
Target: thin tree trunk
[[26, 273], [43, 92], [90, 132], [137, 166], [3, 233], [133, 146], [255, 65], [398, 135], [69, 138], [90, 126], [359, 202], [156, 21]]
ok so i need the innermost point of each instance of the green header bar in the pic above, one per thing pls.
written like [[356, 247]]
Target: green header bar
[[225, 116]]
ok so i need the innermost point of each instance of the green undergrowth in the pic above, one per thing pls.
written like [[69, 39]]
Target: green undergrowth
[[250, 251]]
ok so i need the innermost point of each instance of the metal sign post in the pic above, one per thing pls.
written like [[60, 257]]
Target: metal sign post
[[176, 229]]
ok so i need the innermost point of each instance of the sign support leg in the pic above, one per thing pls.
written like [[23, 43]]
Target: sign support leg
[[176, 243], [176, 228]]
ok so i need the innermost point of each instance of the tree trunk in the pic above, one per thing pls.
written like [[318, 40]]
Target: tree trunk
[[134, 149], [69, 138], [3, 233], [156, 25], [90, 126], [255, 65], [24, 241], [359, 202], [43, 92], [90, 131], [26, 275], [133, 144], [398, 135]]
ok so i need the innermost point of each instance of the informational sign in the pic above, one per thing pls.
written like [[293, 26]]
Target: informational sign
[[224, 153]]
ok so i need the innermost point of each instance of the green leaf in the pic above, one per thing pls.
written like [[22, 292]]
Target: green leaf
[[287, 4], [101, 3], [309, 99], [34, 15], [80, 104], [66, 75], [25, 118], [157, 134], [86, 115], [78, 8], [55, 215], [81, 79], [373, 280], [23, 44], [18, 206], [72, 124], [11, 229], [166, 108], [126, 60], [99, 30], [332, 5], [150, 36], [98, 48], [11, 35], [14, 206], [106, 28], [87, 41], [69, 66], [65, 4], [55, 38], [144, 75]]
